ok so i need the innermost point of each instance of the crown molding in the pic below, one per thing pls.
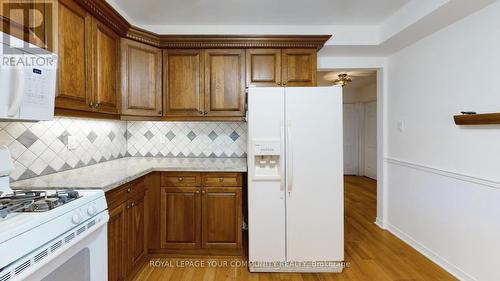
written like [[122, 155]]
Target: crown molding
[[109, 16], [243, 41]]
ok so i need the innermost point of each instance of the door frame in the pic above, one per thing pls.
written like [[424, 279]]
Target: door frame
[[359, 160], [380, 65]]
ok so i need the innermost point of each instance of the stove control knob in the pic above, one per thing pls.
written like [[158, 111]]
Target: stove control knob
[[77, 218], [91, 210]]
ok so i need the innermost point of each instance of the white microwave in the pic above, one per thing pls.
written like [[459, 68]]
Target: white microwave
[[27, 81]]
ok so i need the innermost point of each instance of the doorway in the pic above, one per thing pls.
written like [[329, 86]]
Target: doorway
[[360, 119]]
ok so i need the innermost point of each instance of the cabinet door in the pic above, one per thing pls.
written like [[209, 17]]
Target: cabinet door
[[225, 82], [136, 242], [299, 67], [222, 217], [73, 47], [141, 79], [183, 83], [117, 237], [263, 67], [180, 218], [105, 52]]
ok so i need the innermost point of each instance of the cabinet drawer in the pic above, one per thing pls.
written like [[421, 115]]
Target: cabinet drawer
[[116, 196], [180, 179], [121, 194], [222, 179]]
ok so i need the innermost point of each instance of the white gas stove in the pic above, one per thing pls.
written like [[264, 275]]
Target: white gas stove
[[53, 235]]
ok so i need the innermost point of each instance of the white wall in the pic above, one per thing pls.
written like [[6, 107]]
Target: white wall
[[443, 181], [360, 95]]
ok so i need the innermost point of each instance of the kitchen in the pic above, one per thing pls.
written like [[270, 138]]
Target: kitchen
[[173, 183], [143, 152]]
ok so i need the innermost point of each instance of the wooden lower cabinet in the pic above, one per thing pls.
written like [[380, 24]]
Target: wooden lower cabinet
[[127, 232], [117, 243], [179, 213], [136, 242], [180, 217], [221, 217], [202, 218]]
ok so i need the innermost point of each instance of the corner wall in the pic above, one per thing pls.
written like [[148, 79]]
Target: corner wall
[[443, 181]]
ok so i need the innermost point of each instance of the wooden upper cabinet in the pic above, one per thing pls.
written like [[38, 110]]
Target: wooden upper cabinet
[[183, 82], [222, 217], [89, 53], [225, 82], [73, 48], [141, 84], [299, 67], [180, 217], [106, 50], [263, 67]]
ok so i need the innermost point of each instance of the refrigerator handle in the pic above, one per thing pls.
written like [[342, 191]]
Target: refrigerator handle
[[282, 160], [289, 157]]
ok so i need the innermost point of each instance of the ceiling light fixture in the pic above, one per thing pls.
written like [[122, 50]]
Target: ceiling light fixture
[[342, 80]]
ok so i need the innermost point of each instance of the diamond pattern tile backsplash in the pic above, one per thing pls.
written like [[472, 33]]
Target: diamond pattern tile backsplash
[[42, 148], [187, 139]]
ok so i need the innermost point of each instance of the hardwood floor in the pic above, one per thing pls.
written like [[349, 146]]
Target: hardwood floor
[[373, 254]]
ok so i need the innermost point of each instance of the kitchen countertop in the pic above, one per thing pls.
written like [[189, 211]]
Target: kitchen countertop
[[112, 174]]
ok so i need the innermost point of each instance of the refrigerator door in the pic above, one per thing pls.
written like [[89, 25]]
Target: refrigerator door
[[314, 173], [266, 195]]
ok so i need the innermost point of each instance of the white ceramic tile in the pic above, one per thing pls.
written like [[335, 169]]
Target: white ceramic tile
[[49, 154], [15, 129], [27, 158]]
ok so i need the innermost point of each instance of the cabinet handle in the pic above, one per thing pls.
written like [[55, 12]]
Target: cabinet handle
[[200, 112], [284, 83], [279, 83], [129, 190], [91, 104], [221, 179], [203, 191], [181, 179], [133, 204], [96, 105], [206, 112], [160, 111], [197, 191], [128, 206]]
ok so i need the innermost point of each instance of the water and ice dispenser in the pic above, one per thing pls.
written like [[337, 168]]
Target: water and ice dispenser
[[266, 162]]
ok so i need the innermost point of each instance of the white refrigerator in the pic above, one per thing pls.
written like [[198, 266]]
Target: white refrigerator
[[295, 179]]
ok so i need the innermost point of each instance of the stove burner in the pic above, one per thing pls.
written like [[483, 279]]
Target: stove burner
[[35, 201]]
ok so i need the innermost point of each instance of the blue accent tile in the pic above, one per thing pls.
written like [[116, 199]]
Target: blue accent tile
[[234, 136]]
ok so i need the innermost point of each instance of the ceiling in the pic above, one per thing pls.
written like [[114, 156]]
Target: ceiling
[[258, 12]]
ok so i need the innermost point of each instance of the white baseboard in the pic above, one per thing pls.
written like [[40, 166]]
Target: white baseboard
[[380, 223], [452, 269]]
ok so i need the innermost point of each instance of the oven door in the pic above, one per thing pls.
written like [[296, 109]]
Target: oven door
[[83, 258]]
